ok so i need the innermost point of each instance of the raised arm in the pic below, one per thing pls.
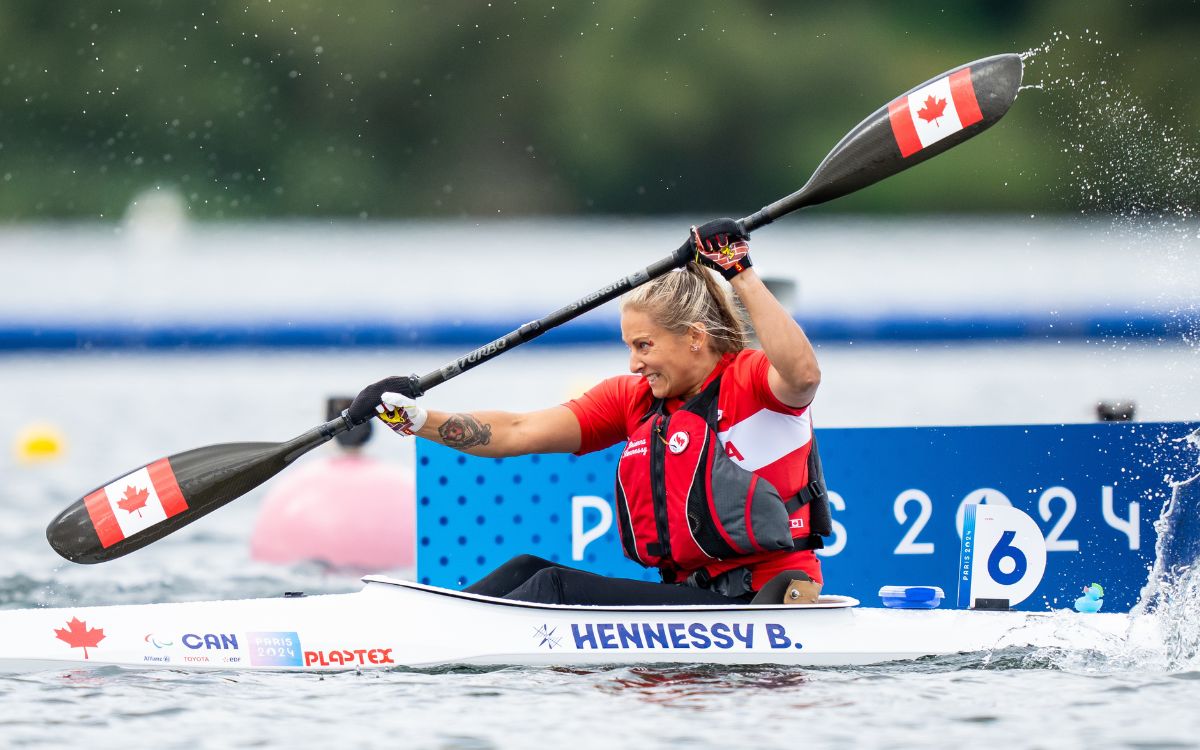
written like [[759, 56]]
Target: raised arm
[[794, 374]]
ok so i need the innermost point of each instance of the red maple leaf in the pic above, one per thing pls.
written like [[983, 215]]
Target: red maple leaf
[[79, 635], [135, 499], [933, 109]]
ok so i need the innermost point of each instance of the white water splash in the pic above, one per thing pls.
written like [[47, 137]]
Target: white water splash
[[1126, 160], [1164, 626], [1136, 165], [1171, 595]]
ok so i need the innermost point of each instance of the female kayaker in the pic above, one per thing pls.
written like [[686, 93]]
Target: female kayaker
[[719, 484]]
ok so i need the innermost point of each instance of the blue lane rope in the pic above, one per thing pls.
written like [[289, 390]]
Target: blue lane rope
[[1026, 327]]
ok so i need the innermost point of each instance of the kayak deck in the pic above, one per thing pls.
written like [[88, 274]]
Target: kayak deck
[[826, 601], [392, 623]]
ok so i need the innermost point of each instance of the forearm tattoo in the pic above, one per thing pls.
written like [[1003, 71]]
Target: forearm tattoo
[[464, 431]]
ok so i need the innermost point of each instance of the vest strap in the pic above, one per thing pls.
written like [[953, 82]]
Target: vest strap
[[810, 542], [734, 584], [806, 495]]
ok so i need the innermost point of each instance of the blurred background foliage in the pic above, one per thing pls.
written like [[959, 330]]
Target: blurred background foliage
[[373, 109]]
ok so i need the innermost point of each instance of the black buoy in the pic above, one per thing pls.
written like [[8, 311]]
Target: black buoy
[[787, 291], [355, 437], [1116, 411]]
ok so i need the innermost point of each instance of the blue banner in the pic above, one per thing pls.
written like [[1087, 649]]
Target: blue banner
[[898, 498], [52, 335]]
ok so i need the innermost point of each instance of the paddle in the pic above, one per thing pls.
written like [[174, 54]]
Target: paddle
[[155, 500]]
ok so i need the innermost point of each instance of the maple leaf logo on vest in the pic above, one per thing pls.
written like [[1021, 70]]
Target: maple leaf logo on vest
[[79, 635], [933, 109], [135, 502], [678, 442]]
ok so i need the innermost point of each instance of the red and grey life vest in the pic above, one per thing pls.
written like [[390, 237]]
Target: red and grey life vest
[[683, 505]]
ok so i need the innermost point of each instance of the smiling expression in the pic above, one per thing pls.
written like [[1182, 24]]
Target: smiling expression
[[666, 359]]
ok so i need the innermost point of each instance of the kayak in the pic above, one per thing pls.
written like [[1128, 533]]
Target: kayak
[[392, 623]]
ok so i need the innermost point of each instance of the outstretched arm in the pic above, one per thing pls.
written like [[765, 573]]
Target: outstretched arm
[[497, 434]]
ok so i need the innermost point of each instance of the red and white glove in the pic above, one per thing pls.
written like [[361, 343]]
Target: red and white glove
[[401, 413], [722, 246]]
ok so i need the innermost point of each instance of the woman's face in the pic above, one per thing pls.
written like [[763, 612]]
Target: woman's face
[[666, 360]]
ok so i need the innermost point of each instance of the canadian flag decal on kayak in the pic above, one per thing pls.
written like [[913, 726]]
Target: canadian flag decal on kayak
[[933, 112], [135, 502]]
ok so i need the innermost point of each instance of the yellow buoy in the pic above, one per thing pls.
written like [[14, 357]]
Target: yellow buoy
[[37, 443]]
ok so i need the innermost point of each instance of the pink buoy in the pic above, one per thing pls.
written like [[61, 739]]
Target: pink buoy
[[349, 511]]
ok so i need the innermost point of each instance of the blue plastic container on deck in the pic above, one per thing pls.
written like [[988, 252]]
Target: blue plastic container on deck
[[911, 597]]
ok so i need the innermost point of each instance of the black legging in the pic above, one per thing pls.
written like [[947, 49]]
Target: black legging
[[531, 579]]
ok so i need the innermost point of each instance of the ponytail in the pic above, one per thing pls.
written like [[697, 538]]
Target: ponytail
[[689, 297]]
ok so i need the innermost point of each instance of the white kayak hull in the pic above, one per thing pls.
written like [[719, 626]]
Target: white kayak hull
[[394, 623]]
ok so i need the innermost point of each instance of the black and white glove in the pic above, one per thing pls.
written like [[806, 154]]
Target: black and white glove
[[401, 413], [370, 400], [722, 246]]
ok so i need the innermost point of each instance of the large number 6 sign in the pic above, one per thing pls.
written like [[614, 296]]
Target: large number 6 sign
[[1003, 555], [1004, 550]]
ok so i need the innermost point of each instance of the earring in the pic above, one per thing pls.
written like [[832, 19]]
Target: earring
[[695, 348]]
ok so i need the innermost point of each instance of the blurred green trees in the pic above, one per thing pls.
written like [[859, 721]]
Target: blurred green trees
[[281, 108]]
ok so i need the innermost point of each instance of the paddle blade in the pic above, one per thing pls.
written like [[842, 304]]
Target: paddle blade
[[147, 504], [917, 125]]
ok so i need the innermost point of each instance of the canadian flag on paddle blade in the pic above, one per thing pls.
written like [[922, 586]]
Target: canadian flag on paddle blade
[[933, 112], [135, 502]]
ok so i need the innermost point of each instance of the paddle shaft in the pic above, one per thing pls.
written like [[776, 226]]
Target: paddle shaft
[[533, 329]]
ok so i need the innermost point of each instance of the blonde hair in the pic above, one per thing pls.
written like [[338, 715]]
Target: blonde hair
[[692, 297]]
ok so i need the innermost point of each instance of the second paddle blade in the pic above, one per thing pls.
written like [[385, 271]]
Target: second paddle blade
[[917, 125], [147, 504]]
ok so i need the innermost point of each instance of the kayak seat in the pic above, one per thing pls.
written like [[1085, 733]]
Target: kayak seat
[[788, 587]]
